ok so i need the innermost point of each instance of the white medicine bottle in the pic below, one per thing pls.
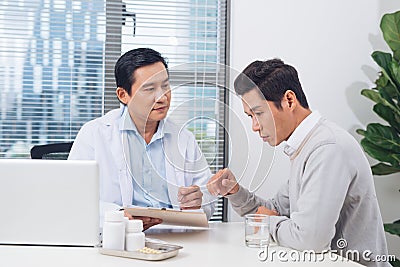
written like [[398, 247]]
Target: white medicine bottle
[[114, 230], [134, 237]]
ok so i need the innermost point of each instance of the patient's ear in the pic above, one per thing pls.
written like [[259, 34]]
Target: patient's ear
[[290, 99], [122, 95]]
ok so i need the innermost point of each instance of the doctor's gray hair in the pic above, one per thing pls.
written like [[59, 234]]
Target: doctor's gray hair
[[131, 61]]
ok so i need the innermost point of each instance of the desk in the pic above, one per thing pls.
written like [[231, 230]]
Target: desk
[[221, 245]]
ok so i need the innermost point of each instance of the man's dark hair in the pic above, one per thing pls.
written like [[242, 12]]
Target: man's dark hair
[[131, 61], [273, 78]]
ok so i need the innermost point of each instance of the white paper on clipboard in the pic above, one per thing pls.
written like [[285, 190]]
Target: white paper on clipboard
[[172, 217]]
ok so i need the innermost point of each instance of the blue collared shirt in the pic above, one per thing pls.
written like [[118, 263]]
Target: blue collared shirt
[[146, 164]]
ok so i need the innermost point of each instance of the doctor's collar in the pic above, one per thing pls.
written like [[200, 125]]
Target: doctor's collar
[[126, 124]]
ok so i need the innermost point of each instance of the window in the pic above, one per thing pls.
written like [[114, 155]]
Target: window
[[57, 62], [51, 54]]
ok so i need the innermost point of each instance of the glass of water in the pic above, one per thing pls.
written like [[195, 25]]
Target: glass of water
[[257, 230]]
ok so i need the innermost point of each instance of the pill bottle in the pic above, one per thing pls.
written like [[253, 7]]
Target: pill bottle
[[114, 230], [134, 237]]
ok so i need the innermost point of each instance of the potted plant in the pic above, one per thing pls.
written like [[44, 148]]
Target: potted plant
[[382, 142]]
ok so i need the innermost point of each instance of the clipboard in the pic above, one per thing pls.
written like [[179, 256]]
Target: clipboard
[[171, 216]]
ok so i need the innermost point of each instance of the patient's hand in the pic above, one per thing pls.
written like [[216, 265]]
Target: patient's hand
[[223, 183], [266, 211], [147, 221]]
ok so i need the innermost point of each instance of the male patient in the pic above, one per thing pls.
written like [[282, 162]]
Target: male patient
[[330, 195], [144, 159]]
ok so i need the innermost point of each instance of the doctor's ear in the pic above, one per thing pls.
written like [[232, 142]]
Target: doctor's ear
[[122, 95]]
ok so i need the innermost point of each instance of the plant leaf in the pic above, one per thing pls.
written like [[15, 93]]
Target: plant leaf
[[386, 113], [395, 263], [383, 84], [385, 95], [396, 157], [377, 98], [390, 26], [373, 95], [395, 72], [384, 60], [378, 152], [361, 132], [384, 169], [382, 81], [383, 136], [392, 228]]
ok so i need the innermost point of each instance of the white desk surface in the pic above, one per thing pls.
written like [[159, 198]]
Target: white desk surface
[[221, 245]]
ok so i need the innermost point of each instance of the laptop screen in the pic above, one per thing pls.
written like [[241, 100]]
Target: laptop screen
[[49, 202]]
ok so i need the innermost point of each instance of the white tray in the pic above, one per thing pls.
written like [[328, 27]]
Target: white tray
[[167, 251]]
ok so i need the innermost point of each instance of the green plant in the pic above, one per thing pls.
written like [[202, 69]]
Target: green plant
[[382, 142]]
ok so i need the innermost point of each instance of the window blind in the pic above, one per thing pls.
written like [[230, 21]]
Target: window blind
[[51, 69], [57, 62]]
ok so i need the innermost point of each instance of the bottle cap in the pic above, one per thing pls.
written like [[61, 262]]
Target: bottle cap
[[114, 216], [134, 226]]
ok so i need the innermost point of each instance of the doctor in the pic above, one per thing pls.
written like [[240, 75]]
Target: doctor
[[144, 159]]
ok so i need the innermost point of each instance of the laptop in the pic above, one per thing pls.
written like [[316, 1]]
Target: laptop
[[49, 202]]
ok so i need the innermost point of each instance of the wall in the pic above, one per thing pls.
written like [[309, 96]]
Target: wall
[[329, 43]]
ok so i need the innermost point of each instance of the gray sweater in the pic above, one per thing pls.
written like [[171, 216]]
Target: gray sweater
[[330, 195]]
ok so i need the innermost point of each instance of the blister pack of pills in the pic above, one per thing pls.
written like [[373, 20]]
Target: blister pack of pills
[[151, 252]]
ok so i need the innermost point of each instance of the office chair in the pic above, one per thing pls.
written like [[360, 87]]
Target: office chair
[[51, 151]]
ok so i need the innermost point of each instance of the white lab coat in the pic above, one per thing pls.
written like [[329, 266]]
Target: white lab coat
[[101, 140]]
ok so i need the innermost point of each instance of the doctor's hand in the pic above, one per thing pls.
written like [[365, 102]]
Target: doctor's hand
[[147, 221], [223, 183], [190, 197]]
